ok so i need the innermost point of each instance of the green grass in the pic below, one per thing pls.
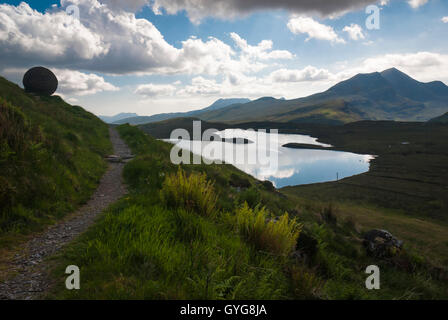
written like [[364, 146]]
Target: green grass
[[148, 247], [51, 160]]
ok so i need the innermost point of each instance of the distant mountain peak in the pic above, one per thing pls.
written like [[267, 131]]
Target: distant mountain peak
[[266, 99], [393, 74], [393, 69]]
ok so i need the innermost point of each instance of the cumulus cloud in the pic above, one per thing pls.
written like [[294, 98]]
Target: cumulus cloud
[[51, 37], [202, 86], [127, 5], [154, 90], [81, 84], [309, 73], [278, 83], [417, 3], [445, 19], [314, 29], [228, 9], [114, 41], [262, 51], [354, 31]]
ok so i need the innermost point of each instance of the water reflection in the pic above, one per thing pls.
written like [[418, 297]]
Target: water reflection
[[293, 167]]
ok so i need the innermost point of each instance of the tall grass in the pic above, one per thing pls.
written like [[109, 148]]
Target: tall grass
[[258, 227], [193, 192]]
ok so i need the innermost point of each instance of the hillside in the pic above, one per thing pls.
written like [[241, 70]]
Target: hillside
[[117, 117], [389, 95], [207, 232], [218, 104], [51, 158], [442, 119], [163, 129]]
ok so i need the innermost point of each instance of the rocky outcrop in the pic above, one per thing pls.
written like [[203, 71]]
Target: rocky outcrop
[[381, 243]]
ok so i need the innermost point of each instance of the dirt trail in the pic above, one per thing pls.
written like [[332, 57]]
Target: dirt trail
[[29, 265]]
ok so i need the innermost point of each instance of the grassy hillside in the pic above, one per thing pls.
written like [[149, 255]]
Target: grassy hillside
[[200, 232], [50, 159]]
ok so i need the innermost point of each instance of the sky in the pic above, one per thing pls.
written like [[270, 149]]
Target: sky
[[156, 56]]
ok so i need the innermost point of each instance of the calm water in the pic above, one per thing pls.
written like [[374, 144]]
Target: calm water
[[282, 166]]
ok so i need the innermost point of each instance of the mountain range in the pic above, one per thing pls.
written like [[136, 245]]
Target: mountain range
[[387, 95], [219, 104]]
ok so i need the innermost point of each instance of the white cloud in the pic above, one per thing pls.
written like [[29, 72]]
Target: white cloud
[[50, 37], [283, 82], [127, 5], [313, 29], [417, 3], [445, 19], [354, 31], [309, 73], [155, 90], [262, 51], [202, 86], [230, 9], [81, 84], [114, 41]]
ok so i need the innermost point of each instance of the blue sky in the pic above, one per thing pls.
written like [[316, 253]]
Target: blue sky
[[159, 56]]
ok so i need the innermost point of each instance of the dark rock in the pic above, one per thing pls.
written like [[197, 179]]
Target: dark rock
[[307, 244], [40, 80], [268, 185], [114, 158], [381, 243]]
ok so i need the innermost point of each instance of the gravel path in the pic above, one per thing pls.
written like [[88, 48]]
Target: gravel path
[[30, 265]]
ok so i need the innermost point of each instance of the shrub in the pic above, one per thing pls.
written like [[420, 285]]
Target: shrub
[[328, 214], [278, 237], [252, 196], [239, 181], [306, 284], [193, 192]]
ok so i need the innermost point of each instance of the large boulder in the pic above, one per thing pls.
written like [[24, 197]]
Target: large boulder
[[40, 80], [381, 243]]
